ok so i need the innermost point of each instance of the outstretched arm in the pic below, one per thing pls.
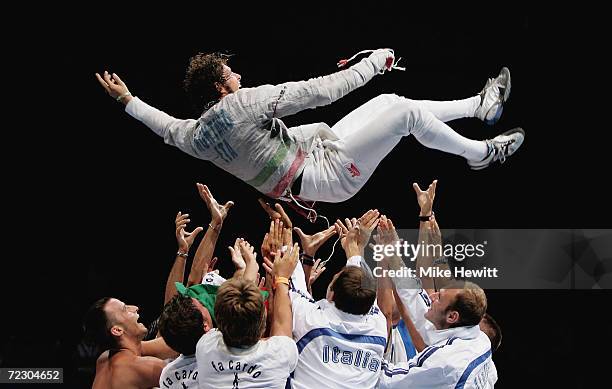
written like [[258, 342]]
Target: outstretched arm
[[283, 268], [384, 295], [249, 256], [203, 255], [429, 234], [174, 131], [294, 97], [184, 240], [415, 335]]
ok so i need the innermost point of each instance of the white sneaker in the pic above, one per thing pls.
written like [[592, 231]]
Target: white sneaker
[[493, 96], [500, 148]]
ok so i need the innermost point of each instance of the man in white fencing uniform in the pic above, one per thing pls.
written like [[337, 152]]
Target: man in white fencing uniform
[[459, 353], [241, 132]]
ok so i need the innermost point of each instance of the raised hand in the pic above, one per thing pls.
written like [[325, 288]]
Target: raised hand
[[260, 281], [284, 266], [367, 222], [317, 269], [237, 258], [349, 236], [275, 238], [265, 247], [213, 263], [247, 251], [249, 256], [386, 232], [268, 265], [184, 239], [218, 212], [114, 87], [425, 198], [357, 232], [276, 213], [311, 243]]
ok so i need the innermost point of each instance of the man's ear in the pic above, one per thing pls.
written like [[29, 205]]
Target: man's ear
[[452, 317], [116, 331], [220, 87]]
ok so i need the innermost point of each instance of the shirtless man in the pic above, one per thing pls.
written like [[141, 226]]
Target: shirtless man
[[127, 362]]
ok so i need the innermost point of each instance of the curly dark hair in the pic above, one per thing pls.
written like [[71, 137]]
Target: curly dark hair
[[181, 324], [203, 72]]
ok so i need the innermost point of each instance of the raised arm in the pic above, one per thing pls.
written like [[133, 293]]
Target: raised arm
[[384, 294], [429, 233], [205, 250], [283, 268], [415, 335], [184, 240], [310, 245]]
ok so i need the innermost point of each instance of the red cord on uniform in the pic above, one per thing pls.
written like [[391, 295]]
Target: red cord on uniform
[[389, 63]]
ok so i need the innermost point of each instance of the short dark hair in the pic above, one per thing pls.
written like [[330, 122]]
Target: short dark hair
[[97, 325], [493, 331], [203, 72], [240, 313], [471, 303], [354, 291], [181, 324]]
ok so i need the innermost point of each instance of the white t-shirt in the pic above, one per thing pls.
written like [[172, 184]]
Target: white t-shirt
[[267, 364], [212, 278], [337, 349], [181, 373]]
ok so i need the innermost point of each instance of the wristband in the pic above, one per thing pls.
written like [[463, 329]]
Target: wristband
[[213, 228], [307, 259], [426, 218], [439, 261], [181, 254], [126, 94], [281, 280]]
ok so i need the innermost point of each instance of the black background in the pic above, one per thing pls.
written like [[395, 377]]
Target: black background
[[103, 191]]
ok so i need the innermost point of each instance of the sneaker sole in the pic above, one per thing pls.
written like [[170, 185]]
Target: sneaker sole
[[509, 84], [512, 131], [505, 98]]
